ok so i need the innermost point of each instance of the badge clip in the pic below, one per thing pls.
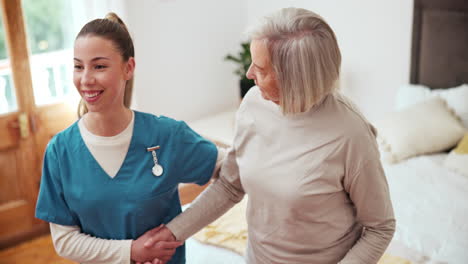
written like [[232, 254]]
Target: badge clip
[[157, 168]]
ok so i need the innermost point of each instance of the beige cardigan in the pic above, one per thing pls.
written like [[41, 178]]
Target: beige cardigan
[[317, 191]]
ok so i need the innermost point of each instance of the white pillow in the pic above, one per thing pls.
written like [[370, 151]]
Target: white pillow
[[411, 94], [456, 98], [425, 127]]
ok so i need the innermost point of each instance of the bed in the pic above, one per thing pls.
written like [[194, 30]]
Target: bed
[[430, 200], [431, 213]]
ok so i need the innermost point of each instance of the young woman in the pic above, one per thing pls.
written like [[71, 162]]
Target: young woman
[[113, 175]]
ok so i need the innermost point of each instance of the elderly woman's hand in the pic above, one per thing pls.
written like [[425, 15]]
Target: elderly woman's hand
[[161, 249]]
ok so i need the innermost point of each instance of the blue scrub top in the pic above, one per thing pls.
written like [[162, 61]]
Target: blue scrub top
[[75, 190]]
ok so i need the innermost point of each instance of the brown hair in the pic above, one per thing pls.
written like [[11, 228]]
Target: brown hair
[[111, 28]]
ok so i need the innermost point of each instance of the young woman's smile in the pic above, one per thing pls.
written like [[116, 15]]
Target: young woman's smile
[[100, 73]]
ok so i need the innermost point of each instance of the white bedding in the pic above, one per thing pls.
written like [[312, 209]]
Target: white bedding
[[198, 253], [431, 208]]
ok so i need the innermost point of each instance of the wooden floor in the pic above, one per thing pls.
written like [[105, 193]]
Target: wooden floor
[[41, 250], [38, 251]]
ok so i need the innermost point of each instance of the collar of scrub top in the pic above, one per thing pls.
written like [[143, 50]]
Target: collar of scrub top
[[157, 168]]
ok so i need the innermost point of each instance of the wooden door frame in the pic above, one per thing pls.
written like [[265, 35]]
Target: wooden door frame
[[18, 53]]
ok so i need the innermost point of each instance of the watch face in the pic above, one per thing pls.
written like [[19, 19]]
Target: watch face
[[157, 170]]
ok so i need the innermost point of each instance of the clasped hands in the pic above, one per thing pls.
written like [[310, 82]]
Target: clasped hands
[[156, 246]]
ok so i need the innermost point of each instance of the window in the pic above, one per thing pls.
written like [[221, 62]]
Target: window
[[50, 38], [7, 90]]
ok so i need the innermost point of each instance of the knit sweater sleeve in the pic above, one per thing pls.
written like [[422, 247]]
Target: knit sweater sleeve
[[368, 189], [217, 199], [222, 194]]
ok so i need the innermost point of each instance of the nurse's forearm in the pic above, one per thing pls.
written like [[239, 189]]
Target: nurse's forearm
[[217, 199], [71, 244]]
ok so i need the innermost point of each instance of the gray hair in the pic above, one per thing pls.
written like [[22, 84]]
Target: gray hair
[[304, 54]]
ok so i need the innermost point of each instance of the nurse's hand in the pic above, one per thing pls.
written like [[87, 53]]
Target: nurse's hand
[[160, 252], [161, 234]]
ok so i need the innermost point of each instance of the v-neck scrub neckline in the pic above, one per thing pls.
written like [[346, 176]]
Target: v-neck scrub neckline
[[109, 153]]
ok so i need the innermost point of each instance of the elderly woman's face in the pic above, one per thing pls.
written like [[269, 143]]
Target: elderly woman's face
[[261, 71]]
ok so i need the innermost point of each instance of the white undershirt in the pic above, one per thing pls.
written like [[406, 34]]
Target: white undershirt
[[69, 241], [109, 152]]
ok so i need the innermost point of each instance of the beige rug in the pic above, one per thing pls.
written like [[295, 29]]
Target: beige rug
[[230, 232]]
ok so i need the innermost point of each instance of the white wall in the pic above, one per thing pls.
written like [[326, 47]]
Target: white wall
[[87, 10], [180, 46], [375, 41]]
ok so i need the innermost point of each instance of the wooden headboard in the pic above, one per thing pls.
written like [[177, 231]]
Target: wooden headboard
[[439, 52]]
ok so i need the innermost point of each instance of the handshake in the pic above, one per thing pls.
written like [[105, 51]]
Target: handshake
[[156, 246]]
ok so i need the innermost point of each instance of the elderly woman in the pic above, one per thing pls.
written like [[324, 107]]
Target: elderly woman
[[305, 156]]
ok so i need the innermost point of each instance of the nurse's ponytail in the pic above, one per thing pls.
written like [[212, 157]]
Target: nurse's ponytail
[[111, 28]]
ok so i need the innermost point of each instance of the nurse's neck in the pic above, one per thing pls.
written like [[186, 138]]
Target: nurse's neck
[[108, 123]]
